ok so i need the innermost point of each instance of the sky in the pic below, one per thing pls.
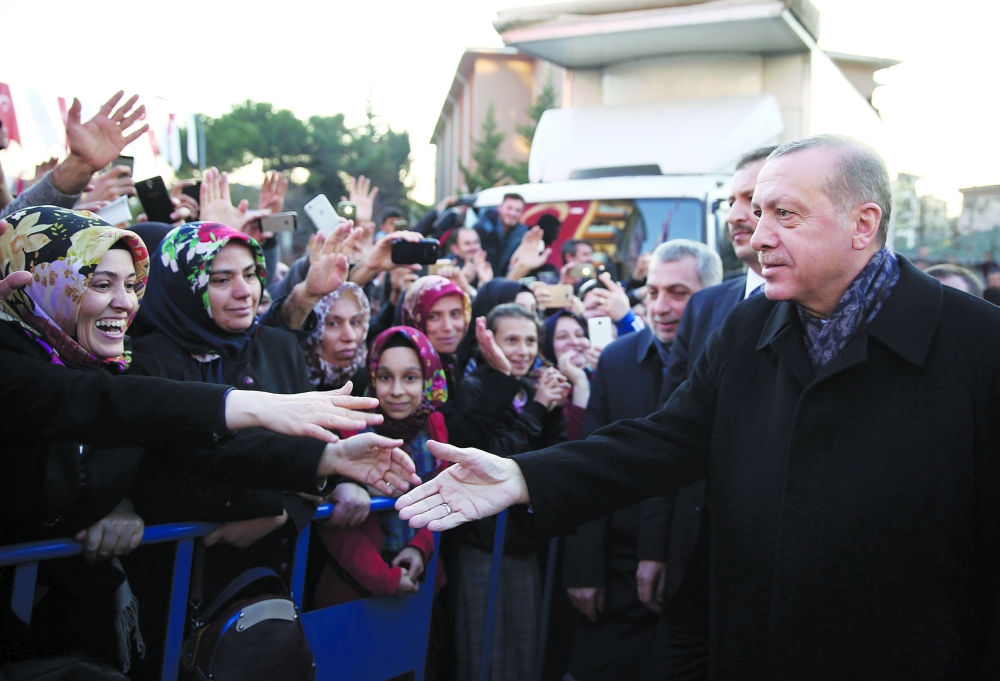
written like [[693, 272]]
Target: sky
[[312, 57]]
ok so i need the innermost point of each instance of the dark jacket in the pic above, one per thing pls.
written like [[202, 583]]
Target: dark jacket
[[855, 514], [51, 411], [498, 244], [626, 385], [247, 481], [705, 312], [484, 417]]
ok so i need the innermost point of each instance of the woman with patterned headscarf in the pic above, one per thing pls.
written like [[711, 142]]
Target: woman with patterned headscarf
[[87, 280], [335, 349], [440, 310]]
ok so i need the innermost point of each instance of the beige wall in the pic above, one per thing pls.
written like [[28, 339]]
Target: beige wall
[[510, 85]]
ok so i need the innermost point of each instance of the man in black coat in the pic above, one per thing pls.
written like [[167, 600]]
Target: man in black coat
[[605, 558], [681, 650], [847, 424]]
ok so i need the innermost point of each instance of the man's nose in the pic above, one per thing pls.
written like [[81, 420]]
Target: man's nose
[[764, 237]]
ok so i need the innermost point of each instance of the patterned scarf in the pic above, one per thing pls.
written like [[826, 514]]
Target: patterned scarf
[[425, 423], [326, 375], [857, 308], [61, 248], [421, 296], [177, 302]]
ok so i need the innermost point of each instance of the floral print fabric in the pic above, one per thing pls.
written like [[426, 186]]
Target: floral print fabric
[[61, 248], [423, 293], [177, 296]]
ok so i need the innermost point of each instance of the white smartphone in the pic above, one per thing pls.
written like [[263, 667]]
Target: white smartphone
[[323, 214], [601, 331]]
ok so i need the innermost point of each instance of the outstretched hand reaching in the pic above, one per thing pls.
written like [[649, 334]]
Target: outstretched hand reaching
[[480, 485]]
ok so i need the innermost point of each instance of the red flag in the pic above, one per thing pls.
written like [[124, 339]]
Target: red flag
[[7, 114]]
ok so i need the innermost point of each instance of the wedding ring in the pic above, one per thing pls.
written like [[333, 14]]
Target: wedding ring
[[447, 508]]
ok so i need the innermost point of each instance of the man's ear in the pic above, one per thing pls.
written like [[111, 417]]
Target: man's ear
[[865, 220], [454, 249]]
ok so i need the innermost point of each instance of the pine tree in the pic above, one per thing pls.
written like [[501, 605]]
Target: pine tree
[[546, 100], [490, 168]]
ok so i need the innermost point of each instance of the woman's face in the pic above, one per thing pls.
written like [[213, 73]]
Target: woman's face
[[343, 332], [446, 324], [233, 288], [518, 339], [399, 382], [568, 337], [526, 299], [108, 302]]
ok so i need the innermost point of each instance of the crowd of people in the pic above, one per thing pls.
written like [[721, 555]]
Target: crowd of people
[[701, 539]]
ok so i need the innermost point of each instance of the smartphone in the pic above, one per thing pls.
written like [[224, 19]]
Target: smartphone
[[280, 222], [601, 331], [193, 190], [155, 199], [124, 161], [435, 267], [322, 214], [561, 295], [423, 252], [583, 271], [348, 211]]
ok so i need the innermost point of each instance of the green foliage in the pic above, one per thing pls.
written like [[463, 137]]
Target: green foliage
[[323, 145], [491, 170], [546, 100]]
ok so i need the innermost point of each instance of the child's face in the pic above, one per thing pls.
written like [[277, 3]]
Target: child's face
[[399, 382], [518, 339]]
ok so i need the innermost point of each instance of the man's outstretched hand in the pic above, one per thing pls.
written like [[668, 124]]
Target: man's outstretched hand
[[478, 486]]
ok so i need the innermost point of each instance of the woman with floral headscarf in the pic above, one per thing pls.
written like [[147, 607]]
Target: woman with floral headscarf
[[440, 310], [385, 556], [87, 280], [335, 349]]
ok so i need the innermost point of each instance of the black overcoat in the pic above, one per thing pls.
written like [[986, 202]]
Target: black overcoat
[[855, 511]]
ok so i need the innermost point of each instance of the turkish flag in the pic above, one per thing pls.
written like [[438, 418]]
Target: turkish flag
[[7, 114]]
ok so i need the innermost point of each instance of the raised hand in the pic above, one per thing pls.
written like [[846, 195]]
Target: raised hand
[[530, 254], [484, 270], [216, 205], [480, 485], [373, 460], [272, 192], [380, 257], [613, 301], [110, 185], [489, 349], [362, 198], [117, 533], [311, 414], [100, 140]]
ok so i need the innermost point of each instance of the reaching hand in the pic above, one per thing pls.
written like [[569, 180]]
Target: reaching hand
[[110, 185], [373, 460], [42, 168], [550, 390], [100, 140], [489, 349], [480, 485], [352, 505], [243, 533], [115, 534], [14, 280], [311, 414], [589, 600], [216, 205], [412, 560], [380, 257], [530, 254], [651, 578], [327, 262], [272, 192], [362, 198]]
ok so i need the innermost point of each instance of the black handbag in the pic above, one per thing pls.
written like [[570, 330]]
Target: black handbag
[[247, 639]]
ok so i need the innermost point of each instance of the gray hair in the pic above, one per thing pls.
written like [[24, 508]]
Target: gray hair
[[861, 176], [708, 261]]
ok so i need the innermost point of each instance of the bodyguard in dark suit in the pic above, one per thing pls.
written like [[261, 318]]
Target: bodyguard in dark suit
[[603, 557], [847, 425], [681, 650]]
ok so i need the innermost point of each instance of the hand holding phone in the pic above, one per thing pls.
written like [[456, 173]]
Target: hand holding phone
[[322, 214], [554, 295], [155, 199], [423, 252]]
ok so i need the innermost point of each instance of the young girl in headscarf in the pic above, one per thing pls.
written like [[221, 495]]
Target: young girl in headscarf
[[384, 556], [335, 350]]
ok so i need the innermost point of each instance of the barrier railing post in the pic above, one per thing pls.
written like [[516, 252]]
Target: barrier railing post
[[491, 599], [178, 610]]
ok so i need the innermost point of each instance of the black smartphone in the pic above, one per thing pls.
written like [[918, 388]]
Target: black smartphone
[[193, 190], [423, 252], [124, 161], [155, 199]]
